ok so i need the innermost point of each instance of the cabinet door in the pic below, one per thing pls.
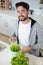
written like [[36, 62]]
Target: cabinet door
[[7, 24]]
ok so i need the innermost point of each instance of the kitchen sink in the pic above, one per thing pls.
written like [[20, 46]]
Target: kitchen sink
[[3, 45]]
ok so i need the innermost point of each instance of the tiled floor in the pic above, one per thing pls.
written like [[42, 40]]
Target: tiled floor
[[6, 39]]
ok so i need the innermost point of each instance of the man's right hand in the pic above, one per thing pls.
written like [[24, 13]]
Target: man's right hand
[[11, 39]]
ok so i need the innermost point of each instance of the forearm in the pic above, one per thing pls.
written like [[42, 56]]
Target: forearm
[[27, 49]]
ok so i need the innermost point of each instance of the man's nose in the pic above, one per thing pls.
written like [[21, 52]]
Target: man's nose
[[20, 14]]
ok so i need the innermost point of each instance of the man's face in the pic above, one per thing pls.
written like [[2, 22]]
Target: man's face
[[22, 13]]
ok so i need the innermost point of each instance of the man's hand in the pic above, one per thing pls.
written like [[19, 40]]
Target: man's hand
[[27, 49], [11, 39]]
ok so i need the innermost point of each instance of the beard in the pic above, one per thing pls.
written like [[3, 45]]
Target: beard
[[22, 18]]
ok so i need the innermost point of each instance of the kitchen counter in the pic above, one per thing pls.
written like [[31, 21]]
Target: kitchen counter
[[6, 55]]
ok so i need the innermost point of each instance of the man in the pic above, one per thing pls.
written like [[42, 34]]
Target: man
[[29, 33]]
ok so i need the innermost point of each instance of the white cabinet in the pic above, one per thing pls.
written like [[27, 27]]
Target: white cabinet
[[7, 24]]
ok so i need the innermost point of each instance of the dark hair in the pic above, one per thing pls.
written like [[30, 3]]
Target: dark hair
[[24, 4]]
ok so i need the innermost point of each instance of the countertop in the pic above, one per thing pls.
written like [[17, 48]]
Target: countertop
[[6, 55]]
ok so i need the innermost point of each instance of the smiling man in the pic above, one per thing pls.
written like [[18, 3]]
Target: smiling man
[[29, 33]]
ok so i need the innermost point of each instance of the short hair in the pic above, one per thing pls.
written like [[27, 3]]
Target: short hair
[[24, 4]]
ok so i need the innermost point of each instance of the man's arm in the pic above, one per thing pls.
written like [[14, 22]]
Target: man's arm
[[27, 49], [39, 33]]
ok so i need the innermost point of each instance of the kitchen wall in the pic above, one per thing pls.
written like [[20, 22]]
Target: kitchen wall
[[33, 3]]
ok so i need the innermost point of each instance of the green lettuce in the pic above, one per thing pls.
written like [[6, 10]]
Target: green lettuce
[[19, 59], [14, 47]]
